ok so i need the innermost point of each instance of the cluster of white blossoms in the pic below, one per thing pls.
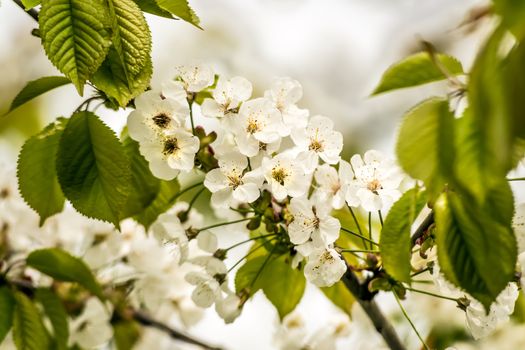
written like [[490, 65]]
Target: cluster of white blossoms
[[263, 144]]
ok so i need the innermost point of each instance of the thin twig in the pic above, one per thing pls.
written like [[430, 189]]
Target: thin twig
[[410, 321], [31, 12], [422, 229]]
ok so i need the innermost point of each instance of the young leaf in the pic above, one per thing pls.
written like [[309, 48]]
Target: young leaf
[[475, 251], [394, 242], [340, 296], [56, 312], [29, 4], [93, 169], [29, 332], [37, 178], [151, 6], [181, 9], [62, 266], [145, 185], [6, 311], [425, 146], [416, 70], [162, 202], [75, 37], [36, 88]]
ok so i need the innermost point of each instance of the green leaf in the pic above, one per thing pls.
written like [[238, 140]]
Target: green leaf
[[75, 37], [62, 266], [181, 9], [416, 70], [57, 315], [126, 334], [29, 4], [425, 145], [36, 88], [512, 13], [476, 251], [395, 245], [145, 185], [93, 169], [127, 70], [7, 307], [37, 178], [29, 332], [162, 202], [340, 296], [151, 6]]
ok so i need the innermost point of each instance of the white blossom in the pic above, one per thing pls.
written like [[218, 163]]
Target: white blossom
[[229, 307], [376, 182], [207, 288], [285, 93], [227, 96], [196, 77], [174, 90], [333, 184], [168, 228], [91, 329], [285, 176], [324, 267], [232, 182]]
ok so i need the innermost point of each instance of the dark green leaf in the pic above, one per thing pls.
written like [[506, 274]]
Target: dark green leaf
[[36, 88], [75, 37], [416, 70], [181, 9], [37, 178], [396, 248], [340, 296], [151, 6], [512, 13], [29, 332], [162, 202], [56, 313], [63, 266], [7, 306], [93, 169]]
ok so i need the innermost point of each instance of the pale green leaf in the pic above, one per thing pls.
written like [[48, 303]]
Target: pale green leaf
[[36, 88], [126, 334], [76, 37], [340, 296], [248, 278], [6, 311], [416, 70], [395, 244], [29, 332], [151, 6], [57, 315], [168, 190], [93, 169], [181, 9], [512, 13], [37, 178], [29, 4], [62, 266]]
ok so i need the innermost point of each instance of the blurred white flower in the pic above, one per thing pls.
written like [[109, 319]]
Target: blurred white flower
[[376, 183], [333, 184], [518, 224], [229, 307], [91, 329], [230, 181], [285, 176], [207, 288], [292, 333], [196, 77], [324, 268], [168, 228], [174, 90], [207, 241], [227, 97]]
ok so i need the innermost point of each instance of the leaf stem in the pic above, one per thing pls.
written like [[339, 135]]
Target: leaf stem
[[177, 195], [357, 225], [370, 228], [249, 240], [425, 346], [358, 235], [262, 266], [190, 105], [359, 251], [516, 179], [431, 294], [247, 255], [380, 217], [224, 224], [194, 199], [420, 272]]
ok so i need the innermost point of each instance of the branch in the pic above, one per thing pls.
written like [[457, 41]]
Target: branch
[[422, 229], [31, 12], [365, 298]]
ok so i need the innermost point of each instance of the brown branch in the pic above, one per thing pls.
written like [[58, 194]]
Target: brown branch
[[31, 12], [422, 229]]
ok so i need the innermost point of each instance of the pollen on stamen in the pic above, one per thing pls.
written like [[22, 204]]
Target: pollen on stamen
[[170, 146], [161, 120], [279, 175]]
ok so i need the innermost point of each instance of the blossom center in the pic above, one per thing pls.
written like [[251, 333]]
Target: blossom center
[[235, 180], [279, 174], [171, 145], [161, 120], [253, 126], [316, 145], [374, 186]]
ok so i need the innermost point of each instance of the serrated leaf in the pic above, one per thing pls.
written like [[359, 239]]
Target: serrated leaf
[[57, 315], [126, 334], [340, 296], [145, 185], [151, 6], [394, 243], [425, 144], [36, 88], [29, 4], [7, 306], [181, 9], [62, 266], [162, 202], [475, 251], [416, 70], [29, 332], [93, 169], [37, 177], [75, 37]]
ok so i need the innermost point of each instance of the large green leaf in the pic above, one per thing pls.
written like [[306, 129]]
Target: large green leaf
[[35, 88], [93, 168], [340, 296], [395, 245], [127, 70], [181, 9], [7, 306], [37, 178], [425, 144], [63, 266], [76, 36], [512, 13], [476, 251], [145, 185], [29, 332], [57, 315], [168, 190], [416, 70]]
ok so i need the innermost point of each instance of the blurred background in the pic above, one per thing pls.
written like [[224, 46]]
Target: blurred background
[[337, 49]]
